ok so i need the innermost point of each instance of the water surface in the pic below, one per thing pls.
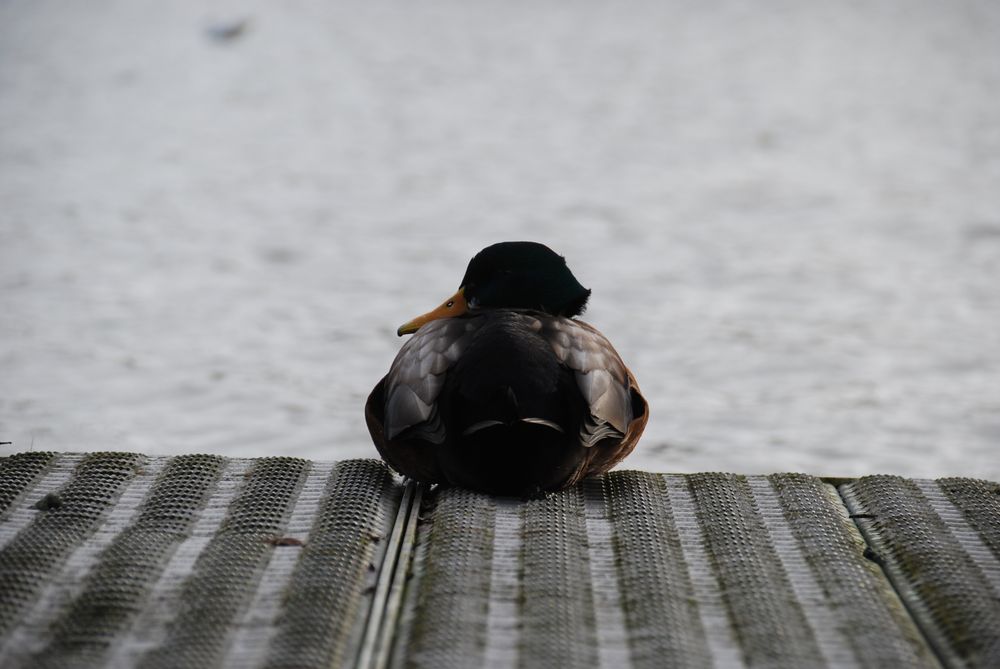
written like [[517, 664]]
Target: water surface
[[788, 216]]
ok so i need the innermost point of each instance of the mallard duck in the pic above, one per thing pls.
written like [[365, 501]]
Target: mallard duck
[[501, 390]]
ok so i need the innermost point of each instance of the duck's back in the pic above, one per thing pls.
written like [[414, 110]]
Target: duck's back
[[508, 371], [505, 401]]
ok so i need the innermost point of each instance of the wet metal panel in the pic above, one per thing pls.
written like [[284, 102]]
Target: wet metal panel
[[938, 542], [123, 560], [117, 559], [647, 570]]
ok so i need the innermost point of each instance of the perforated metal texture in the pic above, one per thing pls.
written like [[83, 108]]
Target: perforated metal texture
[[660, 609], [123, 560], [225, 574], [776, 556], [170, 568], [447, 620], [947, 572], [17, 472], [759, 598], [63, 521], [558, 615], [979, 501], [863, 607], [327, 597], [115, 591]]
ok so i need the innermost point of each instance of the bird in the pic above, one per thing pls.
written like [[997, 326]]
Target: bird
[[502, 389]]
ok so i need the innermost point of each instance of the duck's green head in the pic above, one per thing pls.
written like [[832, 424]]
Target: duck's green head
[[512, 275]]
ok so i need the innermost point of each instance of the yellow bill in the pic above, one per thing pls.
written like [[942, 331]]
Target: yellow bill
[[453, 306]]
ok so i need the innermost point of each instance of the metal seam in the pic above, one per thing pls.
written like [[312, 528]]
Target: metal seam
[[394, 605], [379, 625], [944, 656]]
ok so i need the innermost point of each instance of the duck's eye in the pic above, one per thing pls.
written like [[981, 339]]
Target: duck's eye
[[450, 304]]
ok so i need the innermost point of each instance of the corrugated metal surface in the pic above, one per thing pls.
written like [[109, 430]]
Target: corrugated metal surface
[[116, 559], [183, 573], [701, 570], [938, 543]]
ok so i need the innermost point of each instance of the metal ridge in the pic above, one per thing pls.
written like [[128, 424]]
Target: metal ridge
[[387, 598]]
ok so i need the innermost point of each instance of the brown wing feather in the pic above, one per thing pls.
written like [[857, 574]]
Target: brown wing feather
[[606, 456], [618, 411], [417, 375], [400, 454], [406, 397]]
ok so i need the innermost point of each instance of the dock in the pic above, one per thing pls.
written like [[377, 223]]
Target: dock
[[126, 560]]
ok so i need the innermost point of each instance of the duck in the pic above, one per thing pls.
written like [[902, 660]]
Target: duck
[[502, 389]]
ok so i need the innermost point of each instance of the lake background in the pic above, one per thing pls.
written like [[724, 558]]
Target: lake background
[[789, 215]]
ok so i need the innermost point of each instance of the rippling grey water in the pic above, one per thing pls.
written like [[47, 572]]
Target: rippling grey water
[[788, 215]]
